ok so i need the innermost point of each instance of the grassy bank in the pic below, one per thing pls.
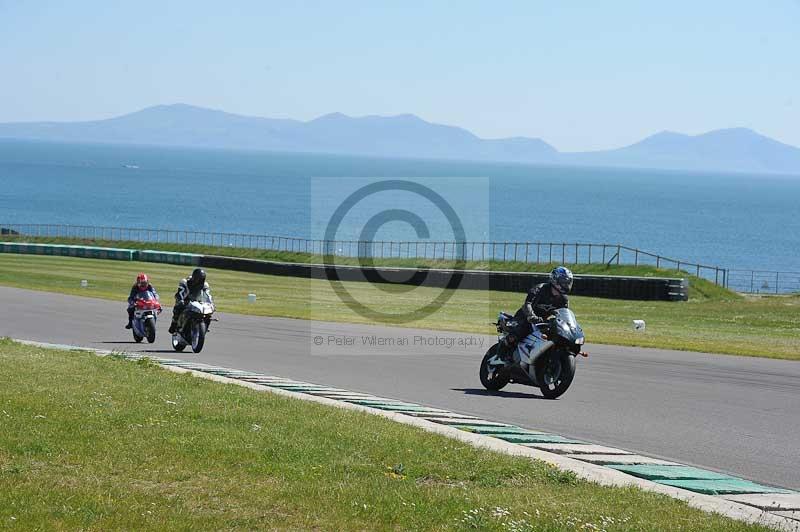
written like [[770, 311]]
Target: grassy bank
[[756, 326], [104, 444], [698, 287]]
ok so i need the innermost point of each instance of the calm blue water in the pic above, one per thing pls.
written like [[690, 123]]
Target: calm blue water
[[735, 221]]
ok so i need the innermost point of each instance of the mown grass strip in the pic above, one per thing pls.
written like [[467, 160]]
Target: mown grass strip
[[107, 444]]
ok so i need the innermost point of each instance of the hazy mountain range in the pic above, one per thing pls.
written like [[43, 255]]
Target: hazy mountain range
[[738, 149]]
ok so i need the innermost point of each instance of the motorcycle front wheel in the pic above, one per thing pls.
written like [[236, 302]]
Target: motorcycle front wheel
[[198, 336], [492, 377], [554, 372], [150, 331]]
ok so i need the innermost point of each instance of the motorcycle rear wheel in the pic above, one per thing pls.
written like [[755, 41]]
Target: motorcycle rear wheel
[[492, 377], [555, 372]]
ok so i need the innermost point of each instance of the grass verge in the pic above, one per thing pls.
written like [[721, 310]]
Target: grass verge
[[754, 326], [698, 287], [103, 444]]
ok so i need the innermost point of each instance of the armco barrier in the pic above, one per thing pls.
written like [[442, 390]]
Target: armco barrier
[[607, 286], [87, 252]]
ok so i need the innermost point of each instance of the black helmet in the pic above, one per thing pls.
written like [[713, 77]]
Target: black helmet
[[198, 278], [561, 279]]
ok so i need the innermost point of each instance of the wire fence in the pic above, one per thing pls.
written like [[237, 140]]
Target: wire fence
[[479, 251], [763, 281]]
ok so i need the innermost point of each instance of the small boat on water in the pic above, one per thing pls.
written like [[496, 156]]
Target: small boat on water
[[132, 166]]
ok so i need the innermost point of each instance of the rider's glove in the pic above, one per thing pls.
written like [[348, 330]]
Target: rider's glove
[[533, 318]]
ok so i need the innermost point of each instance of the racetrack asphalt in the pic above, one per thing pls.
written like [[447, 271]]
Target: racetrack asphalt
[[737, 415]]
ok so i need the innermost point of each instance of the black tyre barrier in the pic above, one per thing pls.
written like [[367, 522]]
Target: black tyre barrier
[[606, 286]]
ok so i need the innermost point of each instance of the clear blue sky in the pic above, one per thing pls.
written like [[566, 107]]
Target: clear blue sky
[[581, 75]]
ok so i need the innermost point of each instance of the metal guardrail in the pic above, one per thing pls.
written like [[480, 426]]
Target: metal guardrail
[[764, 281], [527, 252]]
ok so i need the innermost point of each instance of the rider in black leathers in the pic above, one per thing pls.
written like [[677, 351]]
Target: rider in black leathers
[[541, 300]]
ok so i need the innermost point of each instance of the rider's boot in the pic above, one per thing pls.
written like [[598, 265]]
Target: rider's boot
[[507, 348], [129, 325], [173, 327]]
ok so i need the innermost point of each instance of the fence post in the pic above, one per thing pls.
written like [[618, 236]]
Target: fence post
[[563, 253], [752, 279], [527, 244], [636, 258], [776, 281]]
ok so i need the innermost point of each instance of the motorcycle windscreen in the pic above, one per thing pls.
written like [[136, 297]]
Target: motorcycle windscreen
[[568, 317], [567, 325], [146, 296], [199, 295]]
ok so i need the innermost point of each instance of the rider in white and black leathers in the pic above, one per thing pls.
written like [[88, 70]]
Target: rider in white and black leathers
[[541, 300], [185, 287]]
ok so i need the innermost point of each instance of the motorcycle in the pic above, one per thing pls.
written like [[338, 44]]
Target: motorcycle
[[544, 359], [193, 322], [145, 311]]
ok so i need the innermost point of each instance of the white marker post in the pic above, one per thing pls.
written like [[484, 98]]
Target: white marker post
[[638, 325]]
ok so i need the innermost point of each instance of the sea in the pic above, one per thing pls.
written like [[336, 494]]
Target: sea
[[736, 221]]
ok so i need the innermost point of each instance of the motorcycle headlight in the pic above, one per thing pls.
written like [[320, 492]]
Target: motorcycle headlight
[[580, 341]]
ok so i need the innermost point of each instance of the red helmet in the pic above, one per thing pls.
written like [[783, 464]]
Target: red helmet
[[142, 281]]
